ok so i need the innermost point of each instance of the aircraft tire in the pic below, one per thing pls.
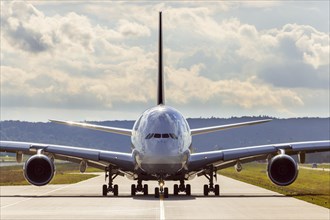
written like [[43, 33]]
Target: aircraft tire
[[176, 189], [206, 190], [217, 190], [133, 189], [188, 190], [145, 189], [115, 190], [165, 192], [104, 190], [156, 192]]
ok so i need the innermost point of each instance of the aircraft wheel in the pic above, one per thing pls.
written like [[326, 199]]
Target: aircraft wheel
[[206, 190], [165, 192], [133, 189], [145, 189], [176, 189], [188, 190], [156, 192], [104, 190], [115, 190], [216, 190]]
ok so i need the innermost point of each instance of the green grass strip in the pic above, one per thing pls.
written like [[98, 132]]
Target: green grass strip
[[66, 173], [311, 185]]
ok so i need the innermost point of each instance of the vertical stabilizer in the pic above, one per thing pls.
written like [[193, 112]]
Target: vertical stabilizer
[[160, 92]]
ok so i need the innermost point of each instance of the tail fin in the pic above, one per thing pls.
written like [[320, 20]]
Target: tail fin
[[160, 93]]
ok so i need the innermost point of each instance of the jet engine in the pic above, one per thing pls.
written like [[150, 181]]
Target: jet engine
[[39, 170], [282, 170]]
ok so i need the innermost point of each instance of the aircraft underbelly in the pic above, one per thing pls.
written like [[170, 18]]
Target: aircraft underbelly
[[164, 168], [161, 164]]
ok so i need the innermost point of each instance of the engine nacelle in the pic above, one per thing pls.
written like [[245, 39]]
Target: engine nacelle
[[282, 170], [39, 170]]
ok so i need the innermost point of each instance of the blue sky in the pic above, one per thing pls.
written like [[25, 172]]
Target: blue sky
[[84, 60]]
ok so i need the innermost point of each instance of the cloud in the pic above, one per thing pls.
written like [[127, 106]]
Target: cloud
[[97, 57], [277, 56], [244, 94], [133, 29]]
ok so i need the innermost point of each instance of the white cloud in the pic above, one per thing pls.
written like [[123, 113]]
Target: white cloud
[[133, 29], [244, 94], [100, 57]]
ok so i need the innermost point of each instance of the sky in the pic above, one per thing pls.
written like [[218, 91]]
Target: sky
[[97, 60]]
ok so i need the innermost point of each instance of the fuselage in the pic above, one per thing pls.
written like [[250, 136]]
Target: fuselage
[[161, 141]]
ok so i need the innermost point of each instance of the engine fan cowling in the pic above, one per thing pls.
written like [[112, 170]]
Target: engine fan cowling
[[39, 170], [282, 170]]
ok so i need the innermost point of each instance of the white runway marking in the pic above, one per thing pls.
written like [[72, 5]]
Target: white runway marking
[[161, 208], [24, 200], [84, 201], [54, 190]]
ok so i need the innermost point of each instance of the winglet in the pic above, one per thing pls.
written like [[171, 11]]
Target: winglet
[[160, 92]]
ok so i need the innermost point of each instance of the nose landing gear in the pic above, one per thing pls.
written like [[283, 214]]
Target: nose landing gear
[[161, 189]]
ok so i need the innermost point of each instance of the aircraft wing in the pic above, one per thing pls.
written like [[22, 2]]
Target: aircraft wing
[[93, 157], [205, 130], [225, 158], [121, 131]]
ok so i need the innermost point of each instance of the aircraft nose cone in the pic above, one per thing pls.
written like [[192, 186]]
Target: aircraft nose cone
[[162, 148], [162, 156]]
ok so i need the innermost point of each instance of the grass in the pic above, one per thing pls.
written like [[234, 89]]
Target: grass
[[66, 173], [311, 185], [7, 159]]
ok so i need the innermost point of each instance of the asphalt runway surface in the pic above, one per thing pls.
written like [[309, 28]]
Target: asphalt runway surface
[[83, 200]]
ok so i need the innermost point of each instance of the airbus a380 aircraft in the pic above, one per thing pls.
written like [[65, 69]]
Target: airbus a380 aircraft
[[161, 150]]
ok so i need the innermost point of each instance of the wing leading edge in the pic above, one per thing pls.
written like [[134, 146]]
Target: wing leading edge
[[99, 158], [121, 131], [225, 127], [224, 158]]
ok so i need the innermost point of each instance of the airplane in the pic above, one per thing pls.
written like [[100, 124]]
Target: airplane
[[162, 151]]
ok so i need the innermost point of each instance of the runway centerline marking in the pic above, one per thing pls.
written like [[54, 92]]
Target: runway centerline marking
[[161, 208]]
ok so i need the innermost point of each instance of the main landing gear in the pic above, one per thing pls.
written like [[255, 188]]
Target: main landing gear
[[212, 173], [111, 174], [139, 188], [161, 189], [182, 188]]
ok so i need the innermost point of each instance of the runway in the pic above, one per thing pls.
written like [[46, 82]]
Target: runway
[[84, 201]]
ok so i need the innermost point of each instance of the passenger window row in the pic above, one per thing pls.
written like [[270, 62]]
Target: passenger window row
[[157, 135]]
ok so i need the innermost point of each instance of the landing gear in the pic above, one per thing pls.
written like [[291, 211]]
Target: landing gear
[[111, 174], [157, 192], [211, 187], [139, 188], [182, 188], [161, 190]]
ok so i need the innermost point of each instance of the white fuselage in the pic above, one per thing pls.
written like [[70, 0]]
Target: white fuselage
[[161, 141]]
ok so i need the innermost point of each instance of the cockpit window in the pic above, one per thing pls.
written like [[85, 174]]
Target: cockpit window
[[165, 135], [173, 136], [149, 136], [157, 135]]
